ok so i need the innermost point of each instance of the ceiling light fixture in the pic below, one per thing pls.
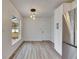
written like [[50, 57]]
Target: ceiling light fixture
[[33, 13]]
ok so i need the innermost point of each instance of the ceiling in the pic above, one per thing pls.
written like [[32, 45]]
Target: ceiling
[[43, 8]]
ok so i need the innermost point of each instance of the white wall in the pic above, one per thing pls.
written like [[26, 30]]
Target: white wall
[[8, 10], [52, 28], [58, 32], [36, 30]]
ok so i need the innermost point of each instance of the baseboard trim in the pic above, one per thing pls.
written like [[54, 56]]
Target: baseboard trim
[[13, 54]]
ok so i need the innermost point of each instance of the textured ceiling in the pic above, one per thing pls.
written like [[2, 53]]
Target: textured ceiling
[[43, 8]]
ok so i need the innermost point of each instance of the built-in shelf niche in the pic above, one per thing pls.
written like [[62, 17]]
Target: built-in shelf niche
[[15, 30]]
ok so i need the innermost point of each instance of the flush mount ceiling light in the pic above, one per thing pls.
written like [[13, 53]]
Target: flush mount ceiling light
[[33, 10], [33, 13]]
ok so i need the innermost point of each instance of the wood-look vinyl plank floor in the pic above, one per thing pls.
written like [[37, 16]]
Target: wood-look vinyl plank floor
[[37, 50]]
